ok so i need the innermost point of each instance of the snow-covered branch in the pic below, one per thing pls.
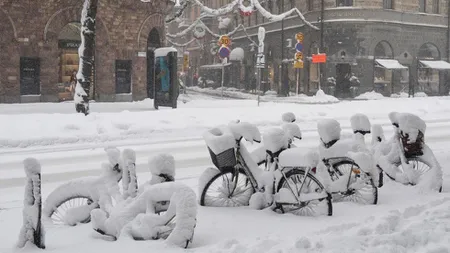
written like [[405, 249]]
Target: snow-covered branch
[[181, 45]]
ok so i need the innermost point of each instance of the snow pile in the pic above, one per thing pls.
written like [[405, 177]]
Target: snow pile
[[360, 123], [245, 130], [420, 94], [275, 139], [372, 95], [224, 22], [129, 178], [292, 131], [32, 230], [299, 157], [219, 139], [329, 130], [205, 177], [411, 124], [364, 160], [400, 95], [288, 117], [162, 167]]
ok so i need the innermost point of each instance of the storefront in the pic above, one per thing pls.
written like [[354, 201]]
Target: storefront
[[68, 43]]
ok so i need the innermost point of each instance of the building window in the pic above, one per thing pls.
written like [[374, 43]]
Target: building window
[[387, 4], [292, 4], [341, 3], [422, 5], [436, 6], [123, 76]]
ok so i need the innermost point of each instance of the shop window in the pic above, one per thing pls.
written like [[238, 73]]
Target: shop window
[[30, 76], [341, 3], [123, 76]]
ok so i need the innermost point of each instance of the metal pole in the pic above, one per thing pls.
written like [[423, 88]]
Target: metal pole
[[282, 51], [223, 72], [296, 75], [322, 14], [320, 73]]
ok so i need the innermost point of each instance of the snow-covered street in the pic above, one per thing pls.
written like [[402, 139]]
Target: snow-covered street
[[70, 146]]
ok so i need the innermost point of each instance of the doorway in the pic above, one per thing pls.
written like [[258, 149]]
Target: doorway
[[69, 40], [30, 76], [153, 42], [343, 74]]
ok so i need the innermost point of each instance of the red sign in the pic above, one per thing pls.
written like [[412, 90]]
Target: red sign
[[319, 58]]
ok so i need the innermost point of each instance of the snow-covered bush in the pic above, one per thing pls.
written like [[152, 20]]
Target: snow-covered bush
[[329, 130], [360, 123], [129, 178], [32, 230], [162, 167], [331, 81], [288, 117]]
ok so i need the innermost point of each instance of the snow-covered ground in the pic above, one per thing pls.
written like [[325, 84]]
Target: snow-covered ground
[[70, 146]]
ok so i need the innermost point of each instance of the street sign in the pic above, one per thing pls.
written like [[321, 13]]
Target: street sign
[[298, 64], [260, 61], [224, 41], [224, 52], [319, 58], [298, 56], [299, 37], [299, 47]]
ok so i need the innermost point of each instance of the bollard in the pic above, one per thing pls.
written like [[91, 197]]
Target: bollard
[[32, 229]]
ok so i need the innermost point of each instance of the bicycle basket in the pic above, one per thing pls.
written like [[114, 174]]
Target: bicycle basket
[[414, 149], [226, 159]]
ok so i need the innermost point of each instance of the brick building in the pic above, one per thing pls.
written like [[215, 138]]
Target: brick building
[[39, 41], [390, 45]]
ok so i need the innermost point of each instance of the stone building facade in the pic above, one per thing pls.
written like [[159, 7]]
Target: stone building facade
[[39, 40], [391, 46]]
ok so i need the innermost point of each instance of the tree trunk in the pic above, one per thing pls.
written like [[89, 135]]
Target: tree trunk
[[86, 53]]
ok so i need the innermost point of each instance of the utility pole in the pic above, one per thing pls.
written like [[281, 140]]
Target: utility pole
[[284, 89], [322, 13]]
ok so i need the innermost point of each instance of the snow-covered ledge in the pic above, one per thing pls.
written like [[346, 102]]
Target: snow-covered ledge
[[124, 97], [30, 98]]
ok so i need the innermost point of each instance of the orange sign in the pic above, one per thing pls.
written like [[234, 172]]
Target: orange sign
[[298, 56], [319, 58], [224, 41], [299, 37], [298, 65]]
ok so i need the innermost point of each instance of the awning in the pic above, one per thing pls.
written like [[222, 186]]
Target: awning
[[435, 64], [390, 64]]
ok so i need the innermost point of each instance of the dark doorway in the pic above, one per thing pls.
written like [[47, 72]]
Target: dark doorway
[[123, 76], [343, 74], [153, 42], [30, 76]]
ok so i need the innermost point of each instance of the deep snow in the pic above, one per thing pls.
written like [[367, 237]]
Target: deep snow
[[403, 221]]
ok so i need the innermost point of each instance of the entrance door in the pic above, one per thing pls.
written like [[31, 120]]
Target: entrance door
[[153, 43], [123, 76], [343, 74], [30, 76]]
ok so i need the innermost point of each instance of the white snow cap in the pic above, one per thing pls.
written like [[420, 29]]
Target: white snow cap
[[129, 155], [32, 166], [219, 139], [245, 130], [360, 122], [113, 154], [164, 51], [237, 54], [275, 139], [292, 130], [162, 164], [299, 157], [377, 133], [288, 117], [393, 117], [329, 130], [411, 124]]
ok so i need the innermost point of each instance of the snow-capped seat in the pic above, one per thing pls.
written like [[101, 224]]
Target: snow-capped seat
[[298, 157], [412, 134]]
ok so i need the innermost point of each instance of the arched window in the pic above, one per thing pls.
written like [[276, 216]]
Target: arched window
[[429, 51], [383, 50], [383, 75]]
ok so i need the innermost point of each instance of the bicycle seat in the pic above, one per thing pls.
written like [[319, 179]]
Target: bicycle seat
[[298, 157]]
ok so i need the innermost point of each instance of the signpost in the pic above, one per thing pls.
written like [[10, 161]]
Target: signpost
[[224, 52], [319, 58], [260, 60], [298, 59]]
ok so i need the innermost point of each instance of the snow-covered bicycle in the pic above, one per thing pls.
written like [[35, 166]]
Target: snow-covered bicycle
[[406, 158], [287, 185]]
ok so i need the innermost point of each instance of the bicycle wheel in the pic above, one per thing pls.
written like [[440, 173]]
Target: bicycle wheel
[[360, 185], [227, 189], [420, 165], [294, 179], [73, 210]]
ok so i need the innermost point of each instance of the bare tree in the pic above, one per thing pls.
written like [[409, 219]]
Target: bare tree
[[86, 52]]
